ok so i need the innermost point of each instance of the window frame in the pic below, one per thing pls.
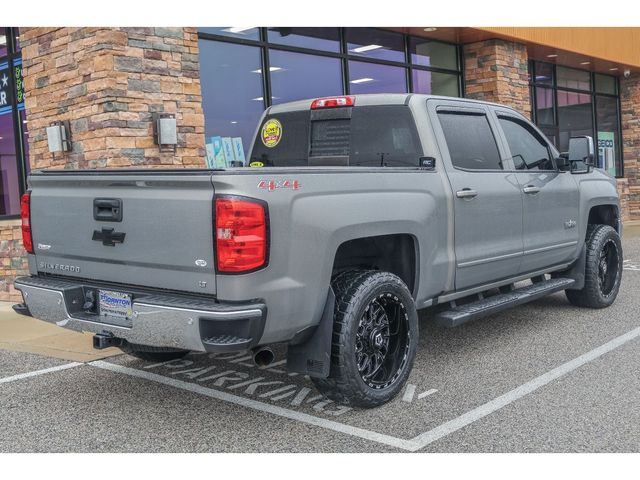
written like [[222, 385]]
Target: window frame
[[12, 55], [531, 129], [592, 92], [343, 55], [473, 110]]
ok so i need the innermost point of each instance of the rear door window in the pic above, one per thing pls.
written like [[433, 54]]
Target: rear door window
[[470, 139], [368, 136]]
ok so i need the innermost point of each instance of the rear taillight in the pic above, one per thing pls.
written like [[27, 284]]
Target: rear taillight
[[332, 102], [241, 234], [25, 213]]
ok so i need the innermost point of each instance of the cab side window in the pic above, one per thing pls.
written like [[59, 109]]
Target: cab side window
[[471, 143], [528, 148]]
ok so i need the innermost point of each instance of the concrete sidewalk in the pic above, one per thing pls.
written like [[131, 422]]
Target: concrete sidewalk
[[25, 334]]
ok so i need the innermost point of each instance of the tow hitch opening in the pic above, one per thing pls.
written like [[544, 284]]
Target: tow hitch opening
[[105, 340]]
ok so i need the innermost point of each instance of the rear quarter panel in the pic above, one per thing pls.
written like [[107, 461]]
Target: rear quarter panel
[[308, 224]]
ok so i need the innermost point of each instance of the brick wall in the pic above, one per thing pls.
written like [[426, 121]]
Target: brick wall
[[107, 82], [14, 261], [497, 71], [630, 113]]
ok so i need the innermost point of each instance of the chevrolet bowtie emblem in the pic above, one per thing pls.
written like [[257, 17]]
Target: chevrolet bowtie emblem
[[108, 237]]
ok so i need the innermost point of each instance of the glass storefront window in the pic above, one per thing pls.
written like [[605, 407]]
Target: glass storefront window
[[543, 73], [375, 44], [3, 41], [435, 83], [562, 112], [309, 63], [327, 39], [9, 180], [295, 76], [232, 97], [246, 33], [572, 78], [605, 84], [574, 117], [544, 106], [608, 134], [433, 54], [365, 77]]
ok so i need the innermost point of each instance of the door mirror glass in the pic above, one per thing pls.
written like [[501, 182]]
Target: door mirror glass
[[581, 150]]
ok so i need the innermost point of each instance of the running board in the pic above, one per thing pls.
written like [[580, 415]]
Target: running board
[[488, 306]]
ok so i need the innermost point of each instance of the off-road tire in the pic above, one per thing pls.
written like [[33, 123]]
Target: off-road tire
[[152, 354], [592, 295], [355, 291]]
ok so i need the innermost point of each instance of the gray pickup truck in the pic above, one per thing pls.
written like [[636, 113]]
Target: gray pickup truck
[[351, 214]]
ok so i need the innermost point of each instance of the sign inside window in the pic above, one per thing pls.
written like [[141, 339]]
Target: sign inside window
[[606, 152]]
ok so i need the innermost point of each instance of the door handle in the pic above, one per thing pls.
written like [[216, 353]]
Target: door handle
[[466, 193], [531, 190]]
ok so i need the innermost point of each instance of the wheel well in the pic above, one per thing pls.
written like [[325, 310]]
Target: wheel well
[[604, 215], [391, 253]]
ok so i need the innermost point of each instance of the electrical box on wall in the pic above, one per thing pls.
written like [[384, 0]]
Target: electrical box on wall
[[58, 137], [165, 131]]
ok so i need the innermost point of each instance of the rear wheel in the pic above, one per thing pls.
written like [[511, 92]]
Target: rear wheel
[[603, 269], [153, 354], [375, 338]]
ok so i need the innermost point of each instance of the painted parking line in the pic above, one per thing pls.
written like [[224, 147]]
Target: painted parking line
[[44, 371], [414, 444], [517, 393], [260, 406]]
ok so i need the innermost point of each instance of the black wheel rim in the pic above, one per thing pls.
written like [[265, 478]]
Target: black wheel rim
[[608, 267], [382, 341]]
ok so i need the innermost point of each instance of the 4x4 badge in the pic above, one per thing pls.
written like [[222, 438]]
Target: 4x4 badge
[[108, 237]]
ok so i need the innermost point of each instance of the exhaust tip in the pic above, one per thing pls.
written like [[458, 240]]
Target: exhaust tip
[[263, 357]]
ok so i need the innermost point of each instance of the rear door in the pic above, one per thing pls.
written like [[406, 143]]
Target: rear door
[[550, 197], [152, 229], [487, 199]]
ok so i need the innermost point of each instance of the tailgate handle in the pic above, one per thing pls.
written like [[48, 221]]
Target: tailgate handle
[[107, 209]]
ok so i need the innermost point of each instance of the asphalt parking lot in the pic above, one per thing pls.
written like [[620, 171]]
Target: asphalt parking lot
[[545, 377]]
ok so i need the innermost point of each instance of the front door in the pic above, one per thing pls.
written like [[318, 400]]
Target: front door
[[549, 196], [486, 197]]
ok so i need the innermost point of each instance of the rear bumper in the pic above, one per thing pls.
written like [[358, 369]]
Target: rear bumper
[[159, 319]]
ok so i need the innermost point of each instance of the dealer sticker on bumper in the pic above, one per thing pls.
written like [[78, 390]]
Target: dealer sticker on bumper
[[115, 304]]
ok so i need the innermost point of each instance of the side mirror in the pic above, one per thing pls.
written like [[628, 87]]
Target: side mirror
[[562, 162], [581, 150]]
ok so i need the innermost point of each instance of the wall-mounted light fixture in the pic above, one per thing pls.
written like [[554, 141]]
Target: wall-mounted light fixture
[[59, 137], [165, 132]]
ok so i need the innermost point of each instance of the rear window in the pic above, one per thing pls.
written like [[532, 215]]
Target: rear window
[[369, 136]]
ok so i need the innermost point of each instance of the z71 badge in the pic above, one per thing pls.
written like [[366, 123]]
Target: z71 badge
[[271, 185]]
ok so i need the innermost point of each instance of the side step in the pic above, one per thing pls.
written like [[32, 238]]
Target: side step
[[488, 306]]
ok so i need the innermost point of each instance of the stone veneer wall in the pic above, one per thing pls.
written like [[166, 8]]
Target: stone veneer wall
[[107, 82], [629, 187], [14, 260], [497, 71]]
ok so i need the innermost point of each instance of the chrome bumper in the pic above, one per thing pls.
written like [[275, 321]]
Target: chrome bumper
[[159, 319]]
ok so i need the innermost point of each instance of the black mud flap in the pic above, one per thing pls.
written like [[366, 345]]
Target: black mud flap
[[313, 356]]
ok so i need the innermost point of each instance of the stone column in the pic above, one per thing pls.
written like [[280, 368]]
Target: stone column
[[108, 82], [629, 187], [497, 71]]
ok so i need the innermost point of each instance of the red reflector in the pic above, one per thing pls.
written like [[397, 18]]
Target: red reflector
[[332, 102], [25, 213], [241, 234]]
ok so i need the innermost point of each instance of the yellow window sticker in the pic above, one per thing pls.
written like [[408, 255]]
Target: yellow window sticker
[[256, 164], [271, 133]]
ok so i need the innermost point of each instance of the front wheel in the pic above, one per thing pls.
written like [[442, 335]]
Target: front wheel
[[603, 269], [375, 337]]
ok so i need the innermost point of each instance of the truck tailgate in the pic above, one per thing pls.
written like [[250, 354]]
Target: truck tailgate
[[166, 227]]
